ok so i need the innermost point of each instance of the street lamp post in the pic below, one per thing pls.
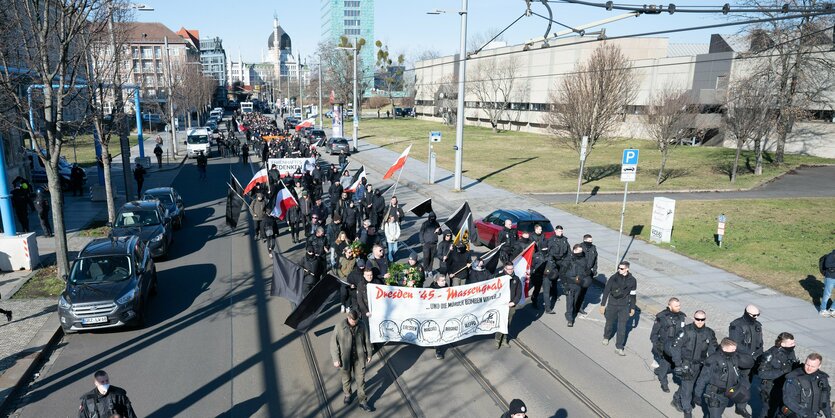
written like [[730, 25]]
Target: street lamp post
[[356, 113], [462, 76], [321, 124]]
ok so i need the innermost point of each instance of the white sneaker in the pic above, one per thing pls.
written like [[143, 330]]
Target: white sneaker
[[605, 341], [654, 365]]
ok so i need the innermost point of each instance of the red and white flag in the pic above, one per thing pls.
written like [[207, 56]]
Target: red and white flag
[[284, 200], [258, 178], [401, 161], [356, 180], [522, 269]]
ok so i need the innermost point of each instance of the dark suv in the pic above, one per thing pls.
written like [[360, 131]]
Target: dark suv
[[148, 220], [108, 286]]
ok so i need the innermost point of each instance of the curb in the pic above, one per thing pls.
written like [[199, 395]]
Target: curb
[[30, 359]]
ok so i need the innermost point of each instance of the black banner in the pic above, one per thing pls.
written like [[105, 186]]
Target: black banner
[[288, 279], [313, 303], [422, 208]]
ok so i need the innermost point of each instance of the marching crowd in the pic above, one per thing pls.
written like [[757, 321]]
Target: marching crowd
[[357, 235]]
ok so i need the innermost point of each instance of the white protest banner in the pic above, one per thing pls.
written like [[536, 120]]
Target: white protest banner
[[288, 166], [431, 317]]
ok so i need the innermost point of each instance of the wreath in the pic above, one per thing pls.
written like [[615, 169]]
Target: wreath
[[402, 274]]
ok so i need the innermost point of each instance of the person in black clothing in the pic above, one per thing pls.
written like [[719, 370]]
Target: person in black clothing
[[747, 332], [273, 177], [343, 158], [515, 296], [378, 207], [540, 259], [772, 367], [394, 209], [20, 204], [245, 151], [507, 236], [573, 273], [312, 266], [296, 221], [689, 351], [591, 257], [440, 282], [77, 179], [105, 401], [378, 262], [368, 277], [517, 409], [478, 273], [444, 248], [620, 292], [139, 176], [521, 243], [721, 373], [429, 231], [807, 391], [350, 219], [202, 163], [158, 153], [668, 324], [42, 206], [457, 265], [269, 231]]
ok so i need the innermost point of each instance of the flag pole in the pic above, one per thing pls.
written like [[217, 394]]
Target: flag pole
[[399, 172]]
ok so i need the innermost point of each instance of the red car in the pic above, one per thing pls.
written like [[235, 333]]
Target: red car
[[523, 220]]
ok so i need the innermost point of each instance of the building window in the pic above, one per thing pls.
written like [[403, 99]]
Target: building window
[[352, 31], [352, 4], [135, 52], [157, 52], [147, 52], [540, 107], [352, 13], [352, 22], [721, 82]]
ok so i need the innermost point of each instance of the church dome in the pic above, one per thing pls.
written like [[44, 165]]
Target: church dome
[[284, 44]]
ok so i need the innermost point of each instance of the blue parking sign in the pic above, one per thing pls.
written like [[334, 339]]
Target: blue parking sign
[[630, 157]]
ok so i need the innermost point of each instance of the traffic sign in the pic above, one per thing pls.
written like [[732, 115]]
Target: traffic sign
[[435, 136], [629, 166]]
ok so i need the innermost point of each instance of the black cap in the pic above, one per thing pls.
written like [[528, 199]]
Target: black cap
[[517, 407]]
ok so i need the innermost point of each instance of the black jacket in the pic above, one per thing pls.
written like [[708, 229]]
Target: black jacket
[[776, 362], [591, 256], [429, 232], [575, 271], [667, 326], [826, 264], [508, 237], [747, 332], [456, 261], [620, 290], [561, 248], [693, 345], [721, 371], [95, 405], [807, 394]]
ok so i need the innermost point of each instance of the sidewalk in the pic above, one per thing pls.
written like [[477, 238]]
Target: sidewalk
[[660, 273], [35, 323]]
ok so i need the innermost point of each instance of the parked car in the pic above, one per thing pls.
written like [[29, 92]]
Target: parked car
[[488, 228], [108, 286], [336, 144], [290, 123], [172, 202], [329, 114], [306, 131], [38, 171], [147, 219], [317, 136]]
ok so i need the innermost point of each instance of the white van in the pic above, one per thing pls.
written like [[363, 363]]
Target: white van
[[217, 114], [246, 107], [297, 112], [198, 140]]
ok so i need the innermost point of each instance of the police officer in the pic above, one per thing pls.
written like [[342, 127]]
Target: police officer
[[560, 252], [591, 257], [105, 400], [21, 204], [721, 380], [573, 273], [747, 331], [158, 154], [540, 258], [689, 351], [312, 266], [668, 324], [42, 206], [139, 176], [806, 392], [773, 366], [515, 297], [351, 351], [620, 292]]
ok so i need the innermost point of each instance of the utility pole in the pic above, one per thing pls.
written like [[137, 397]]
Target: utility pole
[[120, 109], [301, 94], [356, 113], [321, 124], [462, 76], [171, 100]]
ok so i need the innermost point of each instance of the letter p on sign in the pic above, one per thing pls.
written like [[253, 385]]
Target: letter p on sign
[[630, 156]]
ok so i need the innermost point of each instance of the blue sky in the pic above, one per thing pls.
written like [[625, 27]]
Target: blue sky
[[404, 25]]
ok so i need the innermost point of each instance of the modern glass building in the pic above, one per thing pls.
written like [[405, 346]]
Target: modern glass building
[[213, 59], [354, 19]]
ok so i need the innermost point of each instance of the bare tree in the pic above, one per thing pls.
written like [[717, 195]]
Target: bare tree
[[493, 86], [670, 116], [750, 115], [795, 54], [390, 71], [446, 96], [338, 69], [479, 40], [45, 42], [589, 101]]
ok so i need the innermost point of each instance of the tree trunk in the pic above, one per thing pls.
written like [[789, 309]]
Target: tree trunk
[[736, 161], [664, 152], [108, 182], [758, 150], [53, 180]]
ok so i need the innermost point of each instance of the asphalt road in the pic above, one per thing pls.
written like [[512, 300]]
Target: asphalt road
[[803, 182], [216, 346]]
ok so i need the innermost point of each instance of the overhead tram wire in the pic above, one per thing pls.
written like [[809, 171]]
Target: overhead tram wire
[[672, 8], [497, 35], [636, 35], [737, 58]]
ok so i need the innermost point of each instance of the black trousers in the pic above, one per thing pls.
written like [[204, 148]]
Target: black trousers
[[664, 366], [44, 219], [616, 316], [23, 218], [572, 294], [684, 395], [772, 398], [549, 292], [429, 256]]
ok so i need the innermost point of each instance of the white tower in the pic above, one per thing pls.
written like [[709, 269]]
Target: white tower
[[277, 51]]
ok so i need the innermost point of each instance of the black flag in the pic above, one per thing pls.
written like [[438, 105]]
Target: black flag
[[461, 225], [313, 303], [234, 202], [491, 259], [422, 208], [287, 279]]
